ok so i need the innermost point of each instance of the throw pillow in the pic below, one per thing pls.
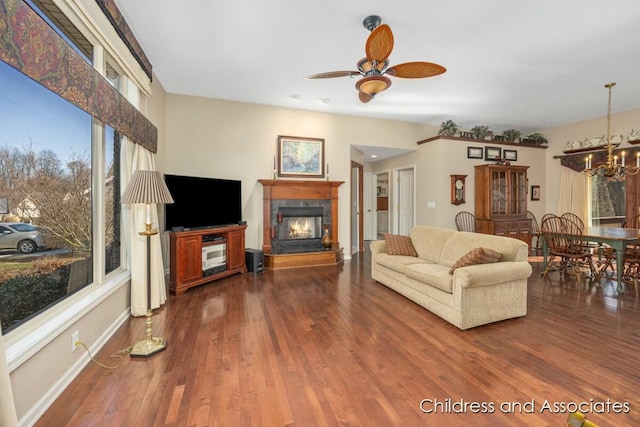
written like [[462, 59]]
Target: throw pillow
[[399, 245], [476, 256]]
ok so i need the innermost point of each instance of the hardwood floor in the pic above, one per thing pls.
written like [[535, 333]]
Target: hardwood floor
[[327, 346]]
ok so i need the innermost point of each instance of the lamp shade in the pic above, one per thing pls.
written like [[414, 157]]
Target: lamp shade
[[147, 187], [373, 85]]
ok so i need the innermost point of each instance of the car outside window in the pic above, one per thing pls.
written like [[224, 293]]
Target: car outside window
[[23, 227]]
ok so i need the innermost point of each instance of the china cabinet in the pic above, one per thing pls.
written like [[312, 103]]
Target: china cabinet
[[501, 201]]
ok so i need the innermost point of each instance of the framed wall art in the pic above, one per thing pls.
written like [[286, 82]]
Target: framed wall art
[[511, 155], [300, 157], [492, 153], [535, 192], [474, 152]]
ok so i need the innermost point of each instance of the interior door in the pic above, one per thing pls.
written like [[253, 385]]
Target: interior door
[[405, 202], [357, 226], [369, 199], [354, 210]]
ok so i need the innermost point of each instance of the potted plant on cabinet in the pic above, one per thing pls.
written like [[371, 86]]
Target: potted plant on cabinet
[[481, 132], [535, 138], [511, 135], [448, 128]]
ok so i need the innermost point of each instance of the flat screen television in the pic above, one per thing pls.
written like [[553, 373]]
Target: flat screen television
[[202, 202]]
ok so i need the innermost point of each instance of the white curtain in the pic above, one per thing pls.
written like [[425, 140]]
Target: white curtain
[[8, 417], [134, 157], [573, 195]]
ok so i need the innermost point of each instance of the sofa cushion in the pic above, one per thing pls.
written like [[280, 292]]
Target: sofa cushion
[[431, 274], [476, 256], [399, 245], [429, 241], [461, 242], [397, 262]]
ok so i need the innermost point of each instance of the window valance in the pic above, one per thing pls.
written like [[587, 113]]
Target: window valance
[[114, 16], [576, 161], [30, 45]]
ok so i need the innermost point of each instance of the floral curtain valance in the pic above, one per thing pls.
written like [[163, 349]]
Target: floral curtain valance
[[30, 45], [114, 16]]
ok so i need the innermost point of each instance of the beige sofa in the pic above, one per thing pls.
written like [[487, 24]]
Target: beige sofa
[[473, 295]]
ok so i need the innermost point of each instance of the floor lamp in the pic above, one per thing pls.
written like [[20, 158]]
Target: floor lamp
[[147, 187]]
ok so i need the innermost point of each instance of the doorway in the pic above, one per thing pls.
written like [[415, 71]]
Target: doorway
[[382, 217], [405, 200], [357, 223]]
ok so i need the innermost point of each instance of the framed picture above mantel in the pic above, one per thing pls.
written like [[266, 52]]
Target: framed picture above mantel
[[300, 157]]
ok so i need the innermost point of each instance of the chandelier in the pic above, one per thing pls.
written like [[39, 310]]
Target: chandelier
[[611, 169]]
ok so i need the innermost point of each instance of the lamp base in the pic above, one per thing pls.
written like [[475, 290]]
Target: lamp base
[[148, 347]]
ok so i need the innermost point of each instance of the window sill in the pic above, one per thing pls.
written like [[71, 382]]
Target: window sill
[[24, 342]]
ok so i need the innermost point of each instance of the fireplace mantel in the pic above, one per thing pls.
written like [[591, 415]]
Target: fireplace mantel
[[283, 189]]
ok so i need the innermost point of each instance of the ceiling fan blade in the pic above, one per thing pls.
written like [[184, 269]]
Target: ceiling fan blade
[[380, 43], [364, 97], [416, 70], [331, 74]]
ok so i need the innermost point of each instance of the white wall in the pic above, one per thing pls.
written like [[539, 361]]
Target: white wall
[[232, 140], [436, 160]]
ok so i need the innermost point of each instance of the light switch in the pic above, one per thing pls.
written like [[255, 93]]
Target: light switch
[[431, 204]]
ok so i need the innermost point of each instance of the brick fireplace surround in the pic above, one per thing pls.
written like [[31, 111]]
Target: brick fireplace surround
[[279, 190]]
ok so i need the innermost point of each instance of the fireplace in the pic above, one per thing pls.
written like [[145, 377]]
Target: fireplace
[[294, 214], [297, 230]]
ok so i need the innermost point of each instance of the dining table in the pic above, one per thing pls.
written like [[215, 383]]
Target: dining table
[[616, 237]]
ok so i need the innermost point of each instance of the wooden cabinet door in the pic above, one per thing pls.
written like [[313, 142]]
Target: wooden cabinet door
[[235, 249], [518, 192], [499, 193], [189, 262], [525, 236]]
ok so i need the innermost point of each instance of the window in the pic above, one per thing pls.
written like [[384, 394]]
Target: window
[[59, 168], [111, 185], [608, 202], [45, 173], [113, 249]]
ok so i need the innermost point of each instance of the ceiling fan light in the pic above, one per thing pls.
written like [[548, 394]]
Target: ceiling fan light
[[373, 85]]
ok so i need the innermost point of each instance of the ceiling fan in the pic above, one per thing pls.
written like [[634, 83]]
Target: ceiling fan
[[373, 67]]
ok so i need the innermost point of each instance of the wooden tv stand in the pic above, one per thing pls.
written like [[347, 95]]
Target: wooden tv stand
[[186, 255]]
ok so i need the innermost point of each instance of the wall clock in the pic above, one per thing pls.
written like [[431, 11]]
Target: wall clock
[[458, 188]]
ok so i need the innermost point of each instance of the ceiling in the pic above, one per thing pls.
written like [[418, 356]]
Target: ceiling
[[524, 65]]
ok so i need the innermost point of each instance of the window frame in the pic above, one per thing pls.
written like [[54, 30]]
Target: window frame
[[26, 340]]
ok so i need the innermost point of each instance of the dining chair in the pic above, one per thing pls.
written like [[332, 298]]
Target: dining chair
[[535, 231], [466, 221], [565, 241], [573, 217], [545, 216], [631, 271], [609, 254], [592, 246]]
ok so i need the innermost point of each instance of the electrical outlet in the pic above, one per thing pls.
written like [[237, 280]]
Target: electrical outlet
[[75, 338]]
